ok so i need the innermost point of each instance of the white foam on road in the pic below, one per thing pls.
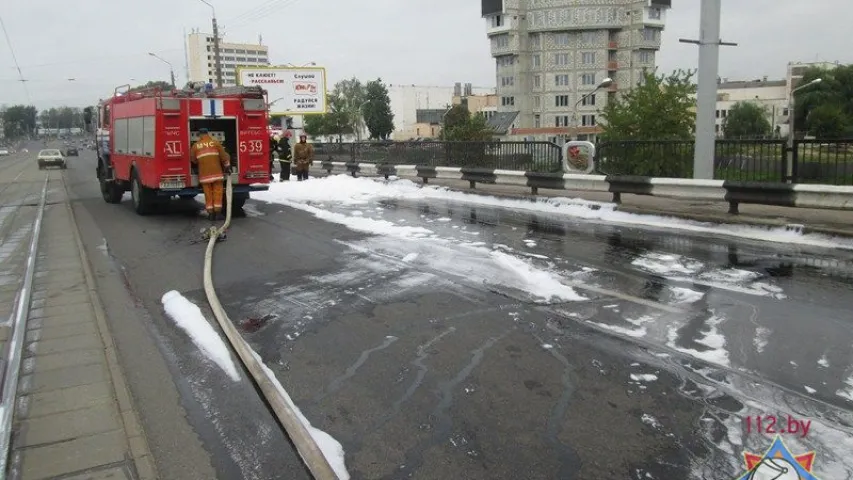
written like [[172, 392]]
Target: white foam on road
[[347, 190], [331, 448], [710, 337], [189, 318], [665, 264], [683, 269]]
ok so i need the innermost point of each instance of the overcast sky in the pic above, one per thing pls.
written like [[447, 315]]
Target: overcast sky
[[104, 43]]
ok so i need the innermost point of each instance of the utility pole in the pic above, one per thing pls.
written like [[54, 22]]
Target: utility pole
[[216, 54], [706, 93]]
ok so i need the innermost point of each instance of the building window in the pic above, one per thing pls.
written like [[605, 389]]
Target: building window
[[649, 34], [241, 59], [561, 121], [654, 13], [535, 40], [588, 58], [537, 121], [588, 120], [497, 21], [508, 101], [588, 100], [589, 37], [561, 80], [537, 81], [561, 39], [588, 79], [507, 81], [506, 60], [646, 56], [561, 59], [502, 41], [537, 101], [561, 101], [536, 61], [228, 50]]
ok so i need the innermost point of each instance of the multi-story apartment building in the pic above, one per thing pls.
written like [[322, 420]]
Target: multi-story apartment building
[[202, 67], [550, 53]]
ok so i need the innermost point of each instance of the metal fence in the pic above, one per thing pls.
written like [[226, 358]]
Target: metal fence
[[814, 161], [525, 156]]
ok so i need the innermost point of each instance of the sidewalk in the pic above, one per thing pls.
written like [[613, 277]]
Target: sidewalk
[[829, 222], [74, 417]]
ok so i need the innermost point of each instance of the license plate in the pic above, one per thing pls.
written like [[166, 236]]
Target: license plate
[[173, 185]]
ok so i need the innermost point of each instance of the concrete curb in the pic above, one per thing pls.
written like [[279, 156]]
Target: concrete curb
[[832, 197], [137, 442], [590, 180]]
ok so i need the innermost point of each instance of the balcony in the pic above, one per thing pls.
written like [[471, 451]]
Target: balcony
[[613, 87], [612, 65], [613, 45]]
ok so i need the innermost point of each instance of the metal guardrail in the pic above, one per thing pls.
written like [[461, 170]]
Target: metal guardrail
[[814, 161], [525, 156]]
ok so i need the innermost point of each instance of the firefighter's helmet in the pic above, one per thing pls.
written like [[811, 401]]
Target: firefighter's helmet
[[288, 134], [276, 138]]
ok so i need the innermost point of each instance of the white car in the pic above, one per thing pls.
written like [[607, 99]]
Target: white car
[[4, 152], [51, 157]]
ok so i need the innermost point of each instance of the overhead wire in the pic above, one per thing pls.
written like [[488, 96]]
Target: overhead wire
[[261, 13], [252, 10], [15, 59]]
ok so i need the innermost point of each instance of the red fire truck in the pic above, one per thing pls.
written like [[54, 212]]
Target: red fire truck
[[144, 140]]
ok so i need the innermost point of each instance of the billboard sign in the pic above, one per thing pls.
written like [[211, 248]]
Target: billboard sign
[[290, 90]]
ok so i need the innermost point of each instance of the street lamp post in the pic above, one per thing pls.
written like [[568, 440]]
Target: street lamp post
[[216, 57], [604, 84], [171, 68], [791, 123]]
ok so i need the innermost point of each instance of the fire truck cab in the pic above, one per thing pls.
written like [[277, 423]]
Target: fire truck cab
[[144, 139]]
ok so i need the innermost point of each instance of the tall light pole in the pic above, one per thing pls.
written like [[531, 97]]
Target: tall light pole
[[791, 122], [217, 58], [604, 84], [171, 68], [706, 91]]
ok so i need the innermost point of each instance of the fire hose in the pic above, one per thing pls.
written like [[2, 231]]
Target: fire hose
[[278, 399]]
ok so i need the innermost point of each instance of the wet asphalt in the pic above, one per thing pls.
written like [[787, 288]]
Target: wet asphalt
[[423, 369]]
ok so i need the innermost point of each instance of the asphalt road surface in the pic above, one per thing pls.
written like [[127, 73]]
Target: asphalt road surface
[[424, 364]]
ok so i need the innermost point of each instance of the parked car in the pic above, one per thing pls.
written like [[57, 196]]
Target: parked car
[[71, 152], [4, 152], [51, 157]]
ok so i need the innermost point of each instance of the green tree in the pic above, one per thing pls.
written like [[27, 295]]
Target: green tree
[[336, 121], [828, 121], [153, 84], [349, 97], [19, 121], [461, 126], [376, 110], [746, 120], [659, 107], [832, 98]]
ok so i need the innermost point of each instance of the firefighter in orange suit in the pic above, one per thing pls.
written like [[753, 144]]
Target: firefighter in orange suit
[[214, 164]]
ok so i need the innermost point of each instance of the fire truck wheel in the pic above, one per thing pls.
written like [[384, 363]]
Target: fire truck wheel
[[143, 201], [111, 191]]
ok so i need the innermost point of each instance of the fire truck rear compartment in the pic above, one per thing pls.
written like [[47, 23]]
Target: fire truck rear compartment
[[222, 129]]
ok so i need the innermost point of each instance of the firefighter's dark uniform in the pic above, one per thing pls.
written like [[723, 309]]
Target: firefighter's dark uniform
[[273, 148], [284, 158], [213, 162]]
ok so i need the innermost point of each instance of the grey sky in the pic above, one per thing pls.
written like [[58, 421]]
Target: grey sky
[[104, 43]]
